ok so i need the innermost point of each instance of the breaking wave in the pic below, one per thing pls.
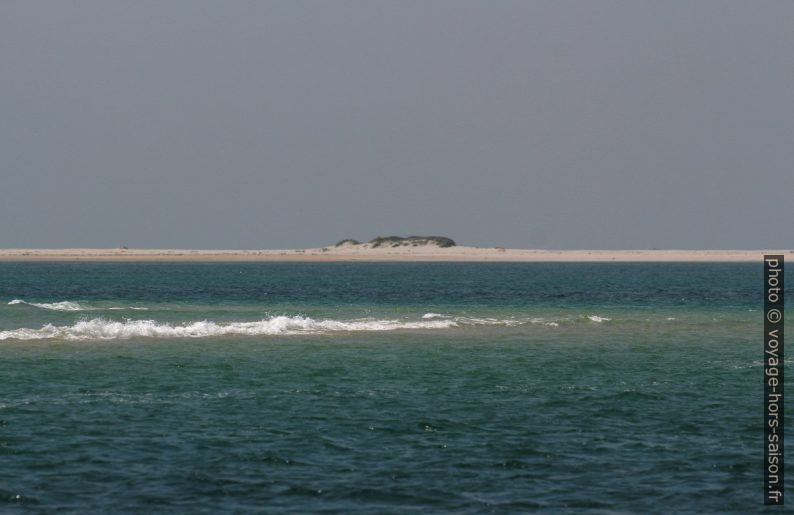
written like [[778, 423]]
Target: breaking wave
[[67, 306], [55, 306], [101, 329]]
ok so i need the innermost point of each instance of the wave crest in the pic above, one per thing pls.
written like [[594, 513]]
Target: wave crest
[[67, 305], [55, 306], [102, 329]]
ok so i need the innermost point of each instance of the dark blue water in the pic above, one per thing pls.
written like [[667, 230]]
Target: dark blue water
[[385, 388]]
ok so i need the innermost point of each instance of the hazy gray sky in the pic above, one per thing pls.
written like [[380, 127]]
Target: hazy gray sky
[[256, 124]]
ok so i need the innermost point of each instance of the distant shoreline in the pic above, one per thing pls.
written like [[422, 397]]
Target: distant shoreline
[[352, 254]]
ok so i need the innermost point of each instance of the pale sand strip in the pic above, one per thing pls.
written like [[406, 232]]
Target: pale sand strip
[[350, 253]]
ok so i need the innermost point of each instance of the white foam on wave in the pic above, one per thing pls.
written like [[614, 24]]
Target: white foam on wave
[[596, 318], [102, 329], [55, 306], [508, 322], [67, 305]]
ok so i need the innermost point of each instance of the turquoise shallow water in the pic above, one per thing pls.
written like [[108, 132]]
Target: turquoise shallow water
[[384, 388]]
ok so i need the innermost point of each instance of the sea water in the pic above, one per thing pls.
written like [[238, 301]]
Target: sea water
[[381, 387]]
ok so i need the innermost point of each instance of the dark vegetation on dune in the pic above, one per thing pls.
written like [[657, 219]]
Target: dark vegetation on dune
[[346, 242], [399, 241]]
